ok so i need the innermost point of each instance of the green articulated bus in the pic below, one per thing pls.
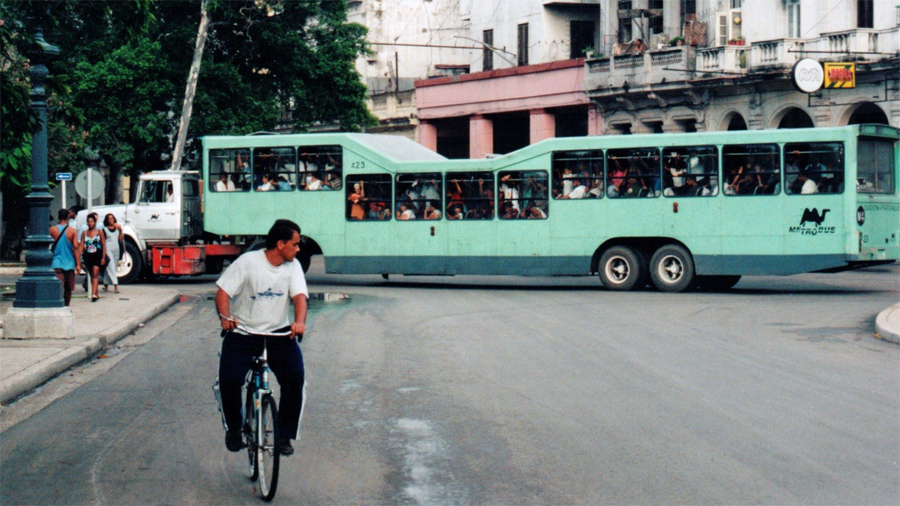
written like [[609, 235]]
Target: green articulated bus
[[674, 210]]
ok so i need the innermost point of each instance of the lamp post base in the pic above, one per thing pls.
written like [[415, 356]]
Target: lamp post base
[[39, 323]]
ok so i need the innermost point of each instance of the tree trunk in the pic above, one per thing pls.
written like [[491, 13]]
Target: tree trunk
[[191, 87]]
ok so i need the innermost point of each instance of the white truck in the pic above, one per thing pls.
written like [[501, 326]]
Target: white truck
[[164, 229]]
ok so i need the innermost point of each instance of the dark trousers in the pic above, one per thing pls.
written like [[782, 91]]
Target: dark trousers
[[286, 362]]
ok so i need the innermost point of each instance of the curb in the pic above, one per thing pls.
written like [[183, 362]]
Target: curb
[[53, 366], [883, 325]]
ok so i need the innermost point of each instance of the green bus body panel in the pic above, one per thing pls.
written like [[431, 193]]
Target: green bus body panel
[[725, 234]]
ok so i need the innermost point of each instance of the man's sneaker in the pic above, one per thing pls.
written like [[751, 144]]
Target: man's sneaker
[[234, 441], [284, 446]]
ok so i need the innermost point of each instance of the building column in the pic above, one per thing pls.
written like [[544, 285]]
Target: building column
[[542, 124], [481, 136], [595, 121], [427, 135]]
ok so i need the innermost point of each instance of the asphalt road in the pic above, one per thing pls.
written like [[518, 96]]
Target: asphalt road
[[501, 391]]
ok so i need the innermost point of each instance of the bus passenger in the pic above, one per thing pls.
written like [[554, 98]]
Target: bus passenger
[[578, 192], [455, 212], [617, 178], [406, 213], [357, 212], [804, 185], [636, 188], [677, 169], [284, 184], [431, 212], [509, 193], [507, 211], [312, 183], [266, 183], [224, 184]]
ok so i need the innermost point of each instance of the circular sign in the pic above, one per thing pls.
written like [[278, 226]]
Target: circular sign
[[808, 75], [98, 184], [860, 216]]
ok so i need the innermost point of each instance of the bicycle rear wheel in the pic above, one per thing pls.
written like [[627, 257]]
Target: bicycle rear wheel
[[250, 438], [268, 455]]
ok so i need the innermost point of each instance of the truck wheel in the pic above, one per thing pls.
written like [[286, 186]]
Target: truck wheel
[[622, 268], [672, 269], [132, 264]]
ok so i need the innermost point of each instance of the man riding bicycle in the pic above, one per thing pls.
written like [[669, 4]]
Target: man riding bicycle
[[253, 301]]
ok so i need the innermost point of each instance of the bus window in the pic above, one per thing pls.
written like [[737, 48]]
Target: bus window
[[632, 172], [691, 171], [369, 197], [751, 169], [814, 167], [470, 196], [577, 174], [875, 166], [418, 196], [274, 169], [523, 194], [229, 170], [321, 168]]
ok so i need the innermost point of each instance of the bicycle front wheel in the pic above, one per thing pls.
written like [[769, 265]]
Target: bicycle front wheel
[[268, 455], [249, 430]]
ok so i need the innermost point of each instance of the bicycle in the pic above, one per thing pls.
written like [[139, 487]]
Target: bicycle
[[260, 427]]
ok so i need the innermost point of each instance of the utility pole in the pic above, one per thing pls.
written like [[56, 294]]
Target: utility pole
[[191, 89]]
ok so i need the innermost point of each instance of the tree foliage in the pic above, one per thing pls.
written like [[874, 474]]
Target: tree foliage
[[118, 84]]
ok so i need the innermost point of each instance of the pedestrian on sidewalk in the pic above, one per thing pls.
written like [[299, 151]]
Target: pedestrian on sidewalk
[[94, 255], [115, 245], [66, 257]]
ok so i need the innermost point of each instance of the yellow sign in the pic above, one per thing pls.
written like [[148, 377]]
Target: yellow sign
[[840, 75]]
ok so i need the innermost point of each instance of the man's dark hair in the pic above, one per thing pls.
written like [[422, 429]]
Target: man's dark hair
[[282, 230], [63, 214]]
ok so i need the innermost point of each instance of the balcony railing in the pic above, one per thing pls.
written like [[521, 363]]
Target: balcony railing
[[679, 63]]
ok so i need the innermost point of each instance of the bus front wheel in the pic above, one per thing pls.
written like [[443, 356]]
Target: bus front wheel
[[672, 269], [622, 268]]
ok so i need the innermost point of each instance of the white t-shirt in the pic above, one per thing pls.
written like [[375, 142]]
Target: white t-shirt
[[578, 192], [809, 187], [260, 292]]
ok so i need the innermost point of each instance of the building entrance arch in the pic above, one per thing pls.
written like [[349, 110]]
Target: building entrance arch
[[867, 112], [795, 117]]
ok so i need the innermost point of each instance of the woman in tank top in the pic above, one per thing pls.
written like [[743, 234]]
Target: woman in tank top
[[94, 256], [115, 245]]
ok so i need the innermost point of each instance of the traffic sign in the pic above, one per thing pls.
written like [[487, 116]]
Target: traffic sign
[[63, 176]]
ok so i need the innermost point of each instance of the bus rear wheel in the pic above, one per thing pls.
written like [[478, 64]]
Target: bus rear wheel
[[672, 269], [622, 268]]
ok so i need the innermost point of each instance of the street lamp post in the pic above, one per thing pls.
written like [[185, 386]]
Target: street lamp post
[[38, 310]]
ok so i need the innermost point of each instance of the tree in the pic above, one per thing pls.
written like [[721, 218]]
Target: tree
[[123, 65]]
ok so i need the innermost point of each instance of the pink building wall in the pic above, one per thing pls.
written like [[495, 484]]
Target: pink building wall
[[536, 89]]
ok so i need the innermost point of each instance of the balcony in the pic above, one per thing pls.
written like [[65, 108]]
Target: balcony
[[724, 60], [649, 68]]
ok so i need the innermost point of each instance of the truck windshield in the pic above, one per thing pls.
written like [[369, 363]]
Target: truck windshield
[[156, 191], [875, 166]]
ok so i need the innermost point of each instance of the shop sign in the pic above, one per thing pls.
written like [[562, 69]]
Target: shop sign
[[840, 75], [807, 75]]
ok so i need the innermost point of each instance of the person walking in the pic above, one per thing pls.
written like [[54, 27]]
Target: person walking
[[115, 245], [94, 253], [66, 258], [253, 301]]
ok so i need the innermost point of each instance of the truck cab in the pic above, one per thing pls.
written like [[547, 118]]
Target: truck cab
[[168, 212]]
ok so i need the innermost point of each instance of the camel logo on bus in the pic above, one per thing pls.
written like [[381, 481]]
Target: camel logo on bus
[[811, 223]]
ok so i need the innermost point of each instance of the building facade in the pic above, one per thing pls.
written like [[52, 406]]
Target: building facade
[[470, 79]]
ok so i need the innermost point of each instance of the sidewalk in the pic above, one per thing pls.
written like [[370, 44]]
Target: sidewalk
[[27, 364]]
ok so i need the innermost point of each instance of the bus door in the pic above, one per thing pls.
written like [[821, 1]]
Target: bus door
[[523, 233], [877, 207], [419, 229], [469, 223]]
